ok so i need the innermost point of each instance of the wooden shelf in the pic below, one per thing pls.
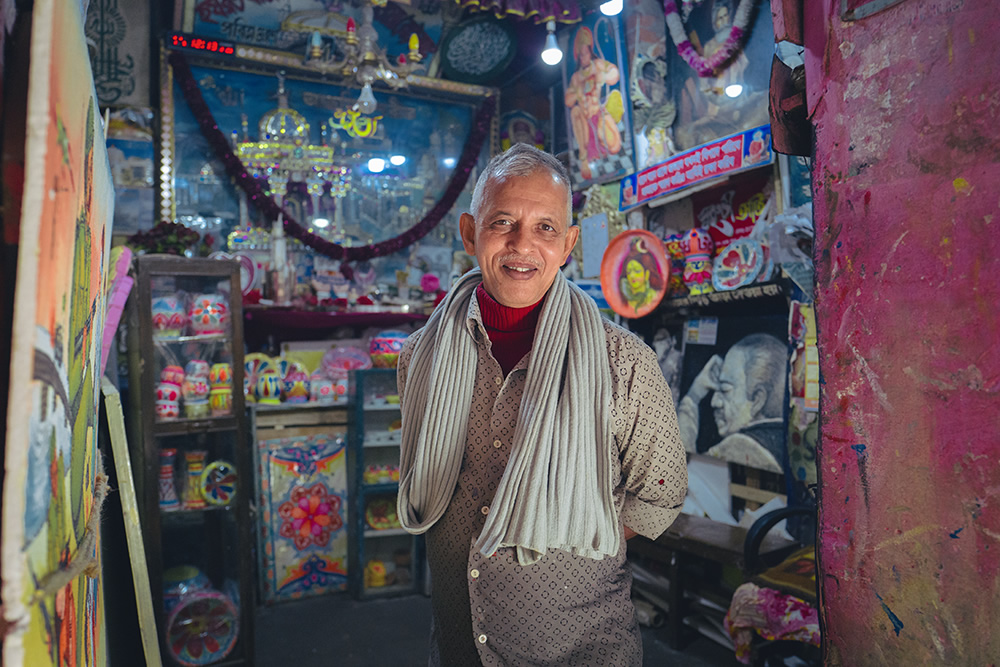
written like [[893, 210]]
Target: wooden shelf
[[185, 426], [372, 489], [386, 532], [196, 338]]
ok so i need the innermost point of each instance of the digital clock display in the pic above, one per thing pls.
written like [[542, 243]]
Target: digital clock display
[[202, 44]]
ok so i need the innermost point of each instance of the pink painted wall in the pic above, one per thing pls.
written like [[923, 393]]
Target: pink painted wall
[[906, 105]]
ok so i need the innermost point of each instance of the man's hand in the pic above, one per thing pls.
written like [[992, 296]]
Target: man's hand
[[629, 533], [707, 380]]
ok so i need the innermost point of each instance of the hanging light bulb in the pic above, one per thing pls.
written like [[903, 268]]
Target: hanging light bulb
[[366, 100], [611, 7], [552, 54], [734, 90]]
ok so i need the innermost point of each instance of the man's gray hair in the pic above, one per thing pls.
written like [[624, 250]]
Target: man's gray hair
[[521, 160], [766, 367]]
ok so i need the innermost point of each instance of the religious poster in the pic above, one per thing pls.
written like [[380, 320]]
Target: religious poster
[[287, 25], [732, 392], [595, 94], [52, 490], [734, 98]]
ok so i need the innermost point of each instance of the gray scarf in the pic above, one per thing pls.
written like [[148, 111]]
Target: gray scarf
[[557, 491]]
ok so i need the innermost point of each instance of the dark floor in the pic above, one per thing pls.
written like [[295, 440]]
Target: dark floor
[[337, 630]]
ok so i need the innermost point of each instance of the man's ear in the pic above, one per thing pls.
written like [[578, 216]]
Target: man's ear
[[757, 401], [572, 234], [467, 229]]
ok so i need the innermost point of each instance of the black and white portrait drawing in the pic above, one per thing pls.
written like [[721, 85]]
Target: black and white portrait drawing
[[733, 392], [667, 343]]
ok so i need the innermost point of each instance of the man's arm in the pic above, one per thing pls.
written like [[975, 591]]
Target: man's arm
[[687, 412], [654, 464]]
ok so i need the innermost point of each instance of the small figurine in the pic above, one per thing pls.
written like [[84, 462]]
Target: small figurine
[[375, 574], [698, 247]]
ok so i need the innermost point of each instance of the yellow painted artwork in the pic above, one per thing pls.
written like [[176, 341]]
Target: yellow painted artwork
[[51, 585]]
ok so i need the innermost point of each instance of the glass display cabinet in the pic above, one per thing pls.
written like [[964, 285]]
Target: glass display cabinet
[[189, 439], [387, 559]]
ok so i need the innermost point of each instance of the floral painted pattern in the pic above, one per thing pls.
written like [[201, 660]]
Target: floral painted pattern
[[772, 615], [202, 629], [310, 516]]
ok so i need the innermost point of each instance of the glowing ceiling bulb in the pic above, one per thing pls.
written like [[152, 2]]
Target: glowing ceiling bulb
[[611, 7], [376, 165], [397, 160], [734, 90], [321, 222], [552, 54], [448, 162]]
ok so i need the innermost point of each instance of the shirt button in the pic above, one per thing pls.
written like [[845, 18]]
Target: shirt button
[[485, 510], [497, 444], [499, 381], [475, 574], [482, 639]]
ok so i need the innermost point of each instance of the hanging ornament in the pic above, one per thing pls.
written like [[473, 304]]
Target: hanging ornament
[[707, 67]]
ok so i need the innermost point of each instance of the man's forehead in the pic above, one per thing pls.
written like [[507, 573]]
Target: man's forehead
[[733, 365]]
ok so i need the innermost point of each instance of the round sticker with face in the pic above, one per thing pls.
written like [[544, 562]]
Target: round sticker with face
[[634, 273]]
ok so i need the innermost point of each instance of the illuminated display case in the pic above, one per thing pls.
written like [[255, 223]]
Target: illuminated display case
[[386, 559], [189, 441]]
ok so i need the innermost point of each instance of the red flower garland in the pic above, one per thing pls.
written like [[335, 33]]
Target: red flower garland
[[252, 187]]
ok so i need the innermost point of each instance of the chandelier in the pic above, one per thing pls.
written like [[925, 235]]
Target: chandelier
[[355, 53], [283, 152]]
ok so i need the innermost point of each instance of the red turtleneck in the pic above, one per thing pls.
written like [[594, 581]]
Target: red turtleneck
[[511, 330]]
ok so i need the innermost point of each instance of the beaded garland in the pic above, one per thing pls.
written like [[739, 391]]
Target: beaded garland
[[220, 144]]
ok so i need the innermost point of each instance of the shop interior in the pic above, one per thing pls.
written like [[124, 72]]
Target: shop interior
[[233, 216]]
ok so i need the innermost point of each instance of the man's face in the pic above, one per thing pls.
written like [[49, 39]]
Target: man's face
[[721, 17], [731, 405], [522, 237]]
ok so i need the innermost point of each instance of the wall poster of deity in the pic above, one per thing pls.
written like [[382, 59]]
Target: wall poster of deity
[[52, 487], [735, 99], [595, 86]]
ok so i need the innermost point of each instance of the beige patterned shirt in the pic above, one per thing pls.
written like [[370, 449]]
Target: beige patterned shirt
[[563, 609]]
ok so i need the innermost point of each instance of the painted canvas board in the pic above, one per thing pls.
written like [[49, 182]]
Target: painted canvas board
[[596, 98], [51, 461], [303, 519], [733, 392]]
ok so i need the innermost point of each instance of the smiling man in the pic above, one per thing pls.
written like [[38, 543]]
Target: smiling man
[[537, 438]]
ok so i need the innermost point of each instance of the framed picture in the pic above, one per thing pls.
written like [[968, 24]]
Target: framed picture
[[595, 93], [733, 101], [349, 177], [735, 370]]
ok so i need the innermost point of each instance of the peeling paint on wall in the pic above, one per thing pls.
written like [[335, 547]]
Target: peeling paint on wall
[[906, 105]]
